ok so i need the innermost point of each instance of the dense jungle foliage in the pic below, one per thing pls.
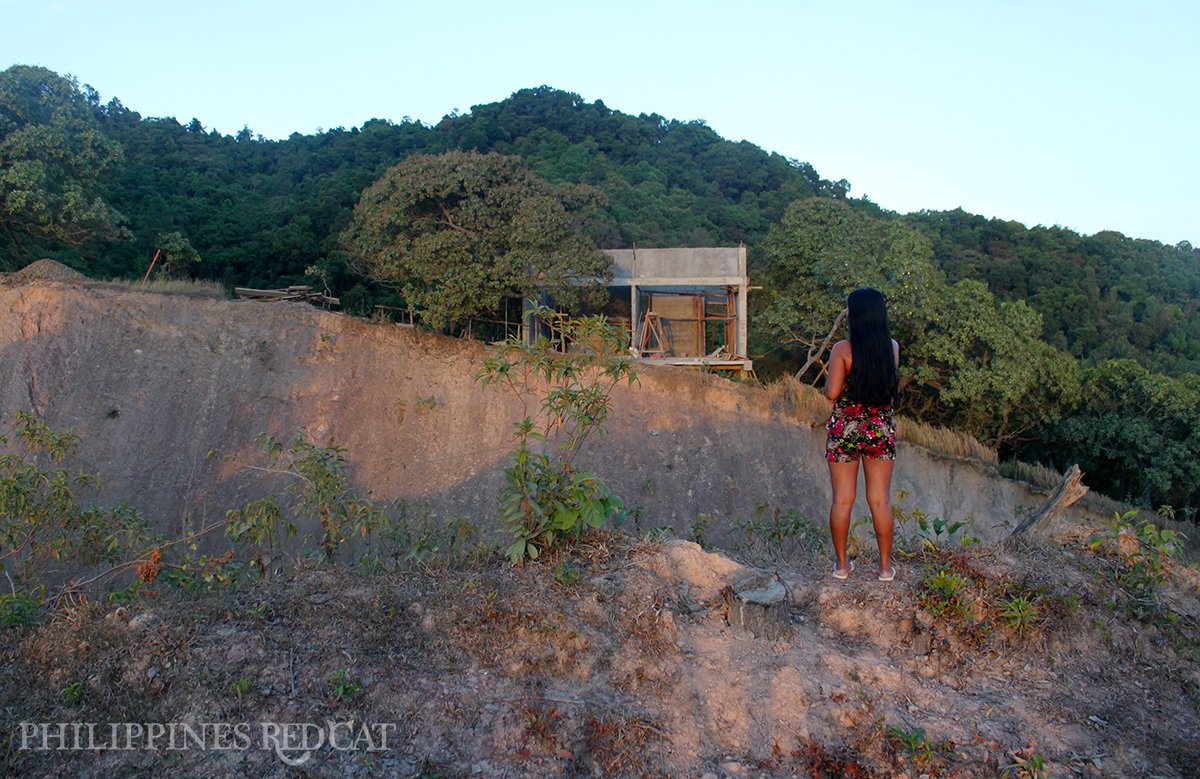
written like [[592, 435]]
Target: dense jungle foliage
[[1052, 346]]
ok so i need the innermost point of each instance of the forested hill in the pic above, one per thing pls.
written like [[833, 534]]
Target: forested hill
[[97, 186], [261, 212]]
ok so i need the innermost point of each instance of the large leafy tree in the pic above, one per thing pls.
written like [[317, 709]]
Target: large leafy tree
[[53, 160], [822, 250], [459, 232], [969, 360]]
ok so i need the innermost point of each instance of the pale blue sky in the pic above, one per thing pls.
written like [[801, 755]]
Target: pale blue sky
[[1083, 114]]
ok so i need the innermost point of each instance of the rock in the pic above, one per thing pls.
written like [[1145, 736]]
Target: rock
[[143, 621], [921, 641], [733, 768]]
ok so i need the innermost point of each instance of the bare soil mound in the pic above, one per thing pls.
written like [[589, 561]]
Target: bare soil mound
[[46, 270], [618, 661]]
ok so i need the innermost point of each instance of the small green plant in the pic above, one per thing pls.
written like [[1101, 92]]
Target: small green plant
[[934, 532], [913, 742], [72, 694], [1019, 613], [548, 498], [343, 686], [320, 489], [1145, 550], [1026, 764], [775, 530], [46, 527], [567, 574], [242, 686], [21, 608], [699, 529], [428, 402], [943, 593]]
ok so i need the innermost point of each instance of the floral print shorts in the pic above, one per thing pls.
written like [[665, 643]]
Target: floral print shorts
[[856, 430]]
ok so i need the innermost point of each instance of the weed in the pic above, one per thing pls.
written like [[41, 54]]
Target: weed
[[567, 574], [943, 593], [917, 745], [699, 529], [1019, 613], [547, 497], [47, 527], [241, 687], [1026, 764], [320, 489], [1145, 551], [933, 532], [72, 694], [913, 742], [21, 608], [773, 532], [343, 686], [428, 402], [127, 594]]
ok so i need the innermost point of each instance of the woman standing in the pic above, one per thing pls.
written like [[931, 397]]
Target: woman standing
[[864, 386]]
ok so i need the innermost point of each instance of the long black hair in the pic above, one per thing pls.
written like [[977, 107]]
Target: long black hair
[[873, 377]]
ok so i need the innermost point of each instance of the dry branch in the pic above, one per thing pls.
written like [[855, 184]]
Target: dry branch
[[1067, 492]]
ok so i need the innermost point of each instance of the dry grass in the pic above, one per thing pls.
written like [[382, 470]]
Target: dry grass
[[808, 403], [1036, 474], [191, 288], [943, 441]]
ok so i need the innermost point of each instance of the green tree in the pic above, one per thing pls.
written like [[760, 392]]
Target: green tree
[[979, 364], [1134, 432], [461, 231], [821, 251], [969, 361], [572, 375], [179, 257], [53, 160]]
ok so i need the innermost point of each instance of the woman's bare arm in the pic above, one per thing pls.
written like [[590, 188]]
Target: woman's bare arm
[[839, 366]]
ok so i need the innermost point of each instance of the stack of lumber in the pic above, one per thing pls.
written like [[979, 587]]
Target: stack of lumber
[[291, 293]]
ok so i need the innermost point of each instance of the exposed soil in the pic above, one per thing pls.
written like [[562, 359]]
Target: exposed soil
[[154, 383], [483, 669], [615, 660]]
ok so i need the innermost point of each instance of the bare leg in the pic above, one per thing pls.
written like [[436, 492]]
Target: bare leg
[[878, 475], [844, 479]]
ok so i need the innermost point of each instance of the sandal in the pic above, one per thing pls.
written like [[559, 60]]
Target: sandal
[[889, 576], [839, 575]]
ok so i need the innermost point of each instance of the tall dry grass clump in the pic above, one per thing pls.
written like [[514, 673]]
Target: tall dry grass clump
[[1036, 474], [191, 288], [807, 402]]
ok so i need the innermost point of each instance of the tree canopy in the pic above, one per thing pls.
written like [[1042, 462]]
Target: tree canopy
[[53, 162], [968, 360], [461, 231], [996, 321]]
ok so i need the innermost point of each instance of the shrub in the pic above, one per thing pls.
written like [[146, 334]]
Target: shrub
[[574, 371]]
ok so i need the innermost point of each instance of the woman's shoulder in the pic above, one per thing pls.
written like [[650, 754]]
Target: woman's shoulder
[[842, 347]]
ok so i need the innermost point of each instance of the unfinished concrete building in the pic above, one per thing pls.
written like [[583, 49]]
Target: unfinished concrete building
[[686, 306]]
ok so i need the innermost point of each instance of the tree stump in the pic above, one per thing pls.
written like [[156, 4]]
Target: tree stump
[[760, 607], [1070, 490]]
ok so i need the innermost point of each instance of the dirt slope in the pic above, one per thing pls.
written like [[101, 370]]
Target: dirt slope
[[615, 661], [630, 670], [153, 383]]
